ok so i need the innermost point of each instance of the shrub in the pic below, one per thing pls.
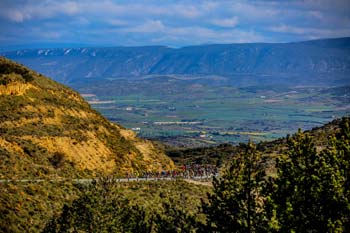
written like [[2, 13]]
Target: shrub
[[57, 160]]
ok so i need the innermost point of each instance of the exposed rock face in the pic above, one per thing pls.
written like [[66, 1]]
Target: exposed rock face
[[47, 129]]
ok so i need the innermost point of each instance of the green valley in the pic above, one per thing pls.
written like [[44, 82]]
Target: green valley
[[196, 112], [178, 116]]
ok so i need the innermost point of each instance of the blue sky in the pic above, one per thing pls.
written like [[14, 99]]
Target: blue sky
[[171, 23]]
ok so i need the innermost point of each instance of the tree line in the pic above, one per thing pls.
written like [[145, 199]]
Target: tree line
[[308, 191]]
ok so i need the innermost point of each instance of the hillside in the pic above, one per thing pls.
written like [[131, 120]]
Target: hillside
[[38, 202], [47, 129], [223, 153], [324, 61]]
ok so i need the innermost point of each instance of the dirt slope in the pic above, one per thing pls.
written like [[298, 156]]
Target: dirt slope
[[48, 130]]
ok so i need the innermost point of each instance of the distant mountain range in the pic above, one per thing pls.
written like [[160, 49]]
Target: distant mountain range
[[327, 58]]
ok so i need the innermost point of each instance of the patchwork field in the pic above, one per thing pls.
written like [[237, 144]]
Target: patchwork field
[[197, 112]]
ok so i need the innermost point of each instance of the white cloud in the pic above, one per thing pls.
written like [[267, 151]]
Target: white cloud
[[16, 16], [287, 29], [39, 10], [117, 22], [51, 35], [150, 26], [70, 8], [193, 35], [311, 32], [226, 22], [175, 23], [251, 10], [187, 11], [316, 14]]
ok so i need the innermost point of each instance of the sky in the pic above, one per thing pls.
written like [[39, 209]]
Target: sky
[[169, 22]]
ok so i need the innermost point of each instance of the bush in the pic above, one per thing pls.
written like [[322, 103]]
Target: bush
[[57, 160], [101, 208]]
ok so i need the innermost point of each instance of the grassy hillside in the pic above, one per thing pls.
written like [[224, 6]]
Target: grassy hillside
[[48, 130]]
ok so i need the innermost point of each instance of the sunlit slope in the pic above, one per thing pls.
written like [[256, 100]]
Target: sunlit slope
[[47, 129]]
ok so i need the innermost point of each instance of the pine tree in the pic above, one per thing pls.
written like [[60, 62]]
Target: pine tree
[[174, 219], [336, 180], [311, 192], [236, 204], [101, 208]]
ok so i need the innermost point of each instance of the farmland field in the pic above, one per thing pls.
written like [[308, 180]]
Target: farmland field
[[196, 112]]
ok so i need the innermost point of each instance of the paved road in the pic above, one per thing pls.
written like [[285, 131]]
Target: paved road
[[83, 181]]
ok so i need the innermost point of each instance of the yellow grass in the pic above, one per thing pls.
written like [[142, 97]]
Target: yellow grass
[[15, 88]]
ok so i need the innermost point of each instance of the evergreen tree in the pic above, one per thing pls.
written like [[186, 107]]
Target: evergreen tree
[[173, 219], [102, 208], [335, 177], [311, 191], [236, 204]]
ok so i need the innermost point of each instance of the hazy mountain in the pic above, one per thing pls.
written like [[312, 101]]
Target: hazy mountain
[[47, 129], [328, 59]]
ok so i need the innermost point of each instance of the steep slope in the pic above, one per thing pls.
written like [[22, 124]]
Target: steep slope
[[308, 59], [47, 129]]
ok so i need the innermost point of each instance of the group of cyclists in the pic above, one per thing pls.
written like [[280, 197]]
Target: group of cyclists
[[184, 171]]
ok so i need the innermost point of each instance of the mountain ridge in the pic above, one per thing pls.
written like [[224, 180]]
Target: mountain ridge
[[329, 57]]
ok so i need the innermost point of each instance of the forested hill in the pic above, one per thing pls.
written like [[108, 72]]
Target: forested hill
[[330, 57], [47, 129]]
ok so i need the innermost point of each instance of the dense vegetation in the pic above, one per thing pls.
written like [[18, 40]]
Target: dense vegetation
[[309, 193], [25, 207], [109, 207], [28, 207]]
